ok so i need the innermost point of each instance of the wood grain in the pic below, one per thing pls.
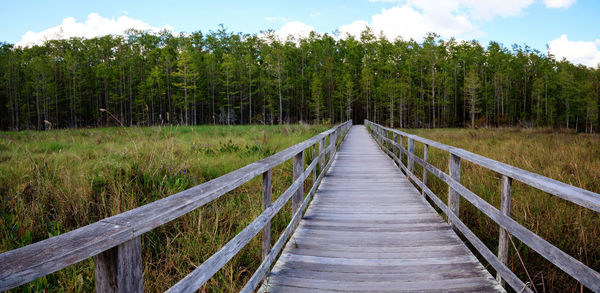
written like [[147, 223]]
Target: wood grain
[[582, 197], [364, 232], [585, 275]]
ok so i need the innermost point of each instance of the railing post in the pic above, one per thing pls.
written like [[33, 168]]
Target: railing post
[[394, 148], [402, 148], [119, 269], [298, 169], [411, 150], [505, 202], [425, 156], [454, 173], [266, 201], [332, 145], [314, 155], [322, 152]]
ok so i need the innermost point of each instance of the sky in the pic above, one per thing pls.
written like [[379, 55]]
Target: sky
[[566, 28]]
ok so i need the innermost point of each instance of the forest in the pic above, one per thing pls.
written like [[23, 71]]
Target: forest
[[221, 77]]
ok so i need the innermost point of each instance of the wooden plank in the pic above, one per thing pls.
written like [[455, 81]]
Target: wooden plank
[[262, 270], [431, 285], [266, 201], [454, 173], [201, 274], [314, 157], [500, 267], [579, 196], [119, 269], [411, 149], [298, 169], [565, 262], [28, 263], [506, 199], [360, 224], [425, 156]]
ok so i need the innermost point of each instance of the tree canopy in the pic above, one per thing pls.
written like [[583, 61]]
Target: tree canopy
[[221, 77]]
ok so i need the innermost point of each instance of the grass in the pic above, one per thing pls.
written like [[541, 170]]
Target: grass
[[56, 181], [565, 156]]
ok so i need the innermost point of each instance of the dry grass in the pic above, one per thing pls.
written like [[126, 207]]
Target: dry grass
[[53, 182], [565, 156]]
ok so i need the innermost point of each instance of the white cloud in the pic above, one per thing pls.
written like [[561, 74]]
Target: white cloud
[[353, 29], [449, 18], [295, 29], [559, 3], [94, 26], [314, 14], [578, 52], [408, 22]]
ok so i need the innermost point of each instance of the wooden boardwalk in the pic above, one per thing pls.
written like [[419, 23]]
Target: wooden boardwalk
[[369, 229]]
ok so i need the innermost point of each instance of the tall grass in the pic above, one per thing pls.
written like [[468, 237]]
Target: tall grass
[[56, 181], [565, 156]]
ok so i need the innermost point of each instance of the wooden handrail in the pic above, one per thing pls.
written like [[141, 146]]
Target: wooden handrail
[[114, 241], [582, 197], [585, 275]]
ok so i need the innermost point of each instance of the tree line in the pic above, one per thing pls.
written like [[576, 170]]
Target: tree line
[[221, 77]]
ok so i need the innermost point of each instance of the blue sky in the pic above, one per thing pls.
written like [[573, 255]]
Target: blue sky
[[570, 27]]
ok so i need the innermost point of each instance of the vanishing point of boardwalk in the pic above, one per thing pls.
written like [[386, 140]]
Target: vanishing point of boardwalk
[[369, 229]]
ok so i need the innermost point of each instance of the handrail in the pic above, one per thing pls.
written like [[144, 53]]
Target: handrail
[[585, 275], [115, 243]]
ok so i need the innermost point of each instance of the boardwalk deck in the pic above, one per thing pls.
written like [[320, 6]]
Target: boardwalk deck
[[369, 229]]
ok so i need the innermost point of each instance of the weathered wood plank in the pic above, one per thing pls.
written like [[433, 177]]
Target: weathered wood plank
[[298, 169], [454, 173], [119, 269], [28, 263], [411, 149], [570, 265], [268, 260], [582, 197], [505, 201], [201, 274], [425, 157], [358, 223], [266, 201]]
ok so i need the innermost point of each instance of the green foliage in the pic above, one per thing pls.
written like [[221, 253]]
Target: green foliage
[[221, 77]]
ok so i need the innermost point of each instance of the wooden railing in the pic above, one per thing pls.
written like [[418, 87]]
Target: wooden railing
[[115, 244], [394, 148]]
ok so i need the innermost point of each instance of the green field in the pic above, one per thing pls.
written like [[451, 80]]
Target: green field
[[562, 155], [55, 181]]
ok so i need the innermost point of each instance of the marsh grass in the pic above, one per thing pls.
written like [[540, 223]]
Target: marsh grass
[[56, 181], [565, 156]]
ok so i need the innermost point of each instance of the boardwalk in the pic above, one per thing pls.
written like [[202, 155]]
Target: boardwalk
[[369, 229]]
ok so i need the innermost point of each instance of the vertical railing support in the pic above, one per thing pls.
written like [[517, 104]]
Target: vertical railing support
[[402, 148], [119, 269], [298, 170], [505, 202], [322, 154], [314, 155], [425, 156], [394, 148], [266, 201], [411, 150], [454, 173]]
